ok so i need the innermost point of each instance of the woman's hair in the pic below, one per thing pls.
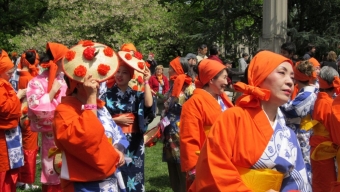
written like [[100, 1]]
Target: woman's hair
[[196, 70], [328, 73], [30, 57], [331, 56], [159, 67], [187, 68], [306, 68], [67, 80], [46, 57]]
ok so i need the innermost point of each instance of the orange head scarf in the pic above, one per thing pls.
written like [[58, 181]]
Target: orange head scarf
[[208, 69], [33, 68], [180, 78], [5, 62], [301, 76], [264, 63], [314, 62], [336, 84], [58, 51], [128, 47]]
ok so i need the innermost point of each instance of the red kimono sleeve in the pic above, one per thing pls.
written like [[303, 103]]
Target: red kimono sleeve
[[80, 135], [191, 134], [10, 106]]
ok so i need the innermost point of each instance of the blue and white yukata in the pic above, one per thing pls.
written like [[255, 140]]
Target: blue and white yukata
[[297, 112]]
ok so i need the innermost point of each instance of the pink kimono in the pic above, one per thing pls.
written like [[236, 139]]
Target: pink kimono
[[39, 105]]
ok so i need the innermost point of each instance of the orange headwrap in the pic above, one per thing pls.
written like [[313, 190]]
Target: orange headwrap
[[208, 69], [128, 47], [336, 84], [33, 68], [264, 63], [58, 51], [180, 78], [314, 62], [5, 62], [301, 76]]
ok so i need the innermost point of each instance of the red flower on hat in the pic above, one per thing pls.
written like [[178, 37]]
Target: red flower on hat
[[141, 65], [80, 71], [25, 110], [140, 79], [135, 88], [103, 69], [87, 43], [89, 53], [108, 51], [138, 55], [128, 56], [70, 55]]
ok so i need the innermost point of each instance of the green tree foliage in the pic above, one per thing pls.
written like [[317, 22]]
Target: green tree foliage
[[315, 22]]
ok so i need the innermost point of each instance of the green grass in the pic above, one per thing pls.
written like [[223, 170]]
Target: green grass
[[156, 171]]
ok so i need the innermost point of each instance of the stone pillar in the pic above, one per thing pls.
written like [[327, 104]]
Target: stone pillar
[[274, 25]]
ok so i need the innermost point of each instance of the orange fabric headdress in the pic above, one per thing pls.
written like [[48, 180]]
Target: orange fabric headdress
[[301, 76], [336, 84], [259, 68], [5, 62], [33, 68], [58, 51], [208, 69], [180, 78], [314, 62], [128, 47]]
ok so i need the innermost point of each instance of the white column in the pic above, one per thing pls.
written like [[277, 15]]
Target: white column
[[274, 25]]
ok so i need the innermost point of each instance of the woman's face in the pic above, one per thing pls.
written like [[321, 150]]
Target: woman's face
[[159, 71], [280, 83], [122, 75], [171, 71], [8, 74], [317, 70], [218, 85]]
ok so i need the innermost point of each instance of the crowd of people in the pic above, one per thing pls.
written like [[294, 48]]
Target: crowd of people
[[92, 106]]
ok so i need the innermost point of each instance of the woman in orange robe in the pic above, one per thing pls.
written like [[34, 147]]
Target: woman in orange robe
[[200, 111], [249, 147], [324, 172], [28, 68], [11, 156]]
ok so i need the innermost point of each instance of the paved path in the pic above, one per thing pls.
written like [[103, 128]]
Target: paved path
[[154, 122]]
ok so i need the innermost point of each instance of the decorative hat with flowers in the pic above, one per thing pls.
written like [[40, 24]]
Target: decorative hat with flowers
[[89, 58]]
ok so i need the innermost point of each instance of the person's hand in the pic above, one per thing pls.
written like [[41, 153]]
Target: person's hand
[[124, 119], [147, 74], [21, 93], [121, 161], [91, 86]]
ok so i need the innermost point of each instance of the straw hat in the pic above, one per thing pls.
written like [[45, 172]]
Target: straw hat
[[134, 62], [89, 58]]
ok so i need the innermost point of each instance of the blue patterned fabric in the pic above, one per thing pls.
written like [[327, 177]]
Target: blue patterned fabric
[[107, 185], [283, 154], [14, 147], [220, 101], [294, 111], [131, 101]]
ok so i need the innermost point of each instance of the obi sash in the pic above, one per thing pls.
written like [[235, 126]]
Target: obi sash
[[259, 180], [131, 128], [14, 147], [307, 123]]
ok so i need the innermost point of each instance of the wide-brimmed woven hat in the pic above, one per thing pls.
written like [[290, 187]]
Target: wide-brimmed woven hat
[[89, 58], [131, 60]]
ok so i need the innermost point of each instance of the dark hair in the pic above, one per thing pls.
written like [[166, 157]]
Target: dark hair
[[195, 69], [47, 57], [67, 80], [289, 47], [245, 54], [214, 50], [30, 57], [310, 46], [187, 68], [202, 46]]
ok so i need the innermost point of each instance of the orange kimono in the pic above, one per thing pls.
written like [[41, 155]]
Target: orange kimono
[[324, 172], [236, 142], [335, 136], [198, 115], [29, 138], [86, 153], [10, 113]]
